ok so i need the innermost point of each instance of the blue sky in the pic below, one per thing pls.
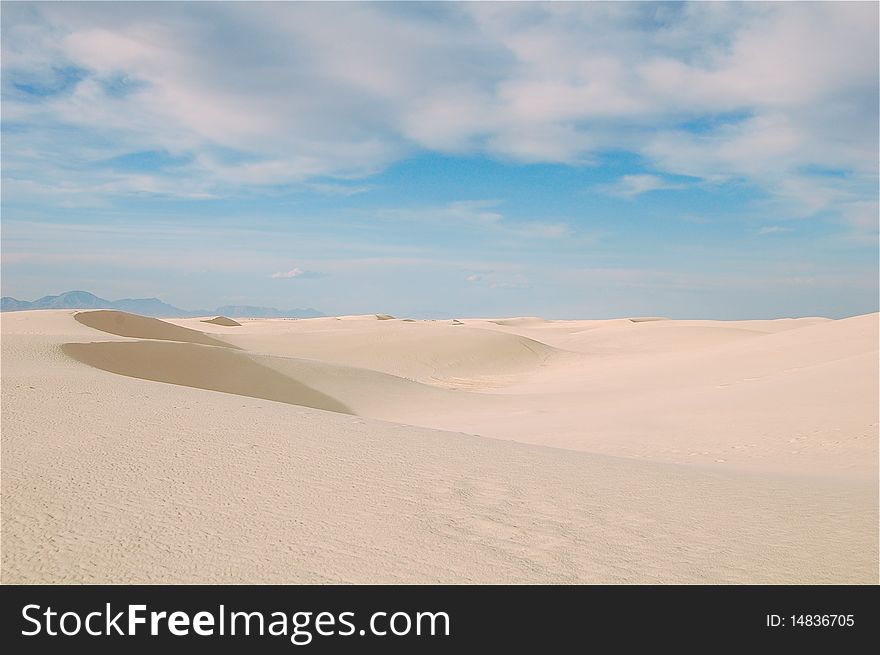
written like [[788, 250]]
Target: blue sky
[[569, 160]]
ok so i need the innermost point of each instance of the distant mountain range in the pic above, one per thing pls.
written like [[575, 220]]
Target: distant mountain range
[[147, 307]]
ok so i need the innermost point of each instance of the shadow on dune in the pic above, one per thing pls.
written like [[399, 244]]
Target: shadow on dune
[[124, 324], [202, 367], [222, 320]]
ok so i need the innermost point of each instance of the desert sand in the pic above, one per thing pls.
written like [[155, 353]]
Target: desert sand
[[377, 449]]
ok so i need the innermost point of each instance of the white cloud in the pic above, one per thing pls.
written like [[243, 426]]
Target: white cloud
[[282, 93], [344, 190], [294, 272], [630, 186], [510, 278], [479, 216], [773, 229], [472, 211]]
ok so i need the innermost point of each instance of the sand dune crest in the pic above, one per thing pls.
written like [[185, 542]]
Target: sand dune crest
[[140, 327], [519, 320], [222, 320], [431, 353]]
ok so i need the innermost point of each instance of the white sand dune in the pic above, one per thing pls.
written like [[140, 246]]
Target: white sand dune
[[309, 383], [141, 327], [426, 351], [795, 395], [519, 320], [325, 450]]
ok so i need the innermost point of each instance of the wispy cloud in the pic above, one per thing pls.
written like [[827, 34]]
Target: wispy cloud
[[295, 272], [630, 186], [710, 90], [773, 229], [478, 216], [502, 279], [224, 141], [345, 190], [466, 212]]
